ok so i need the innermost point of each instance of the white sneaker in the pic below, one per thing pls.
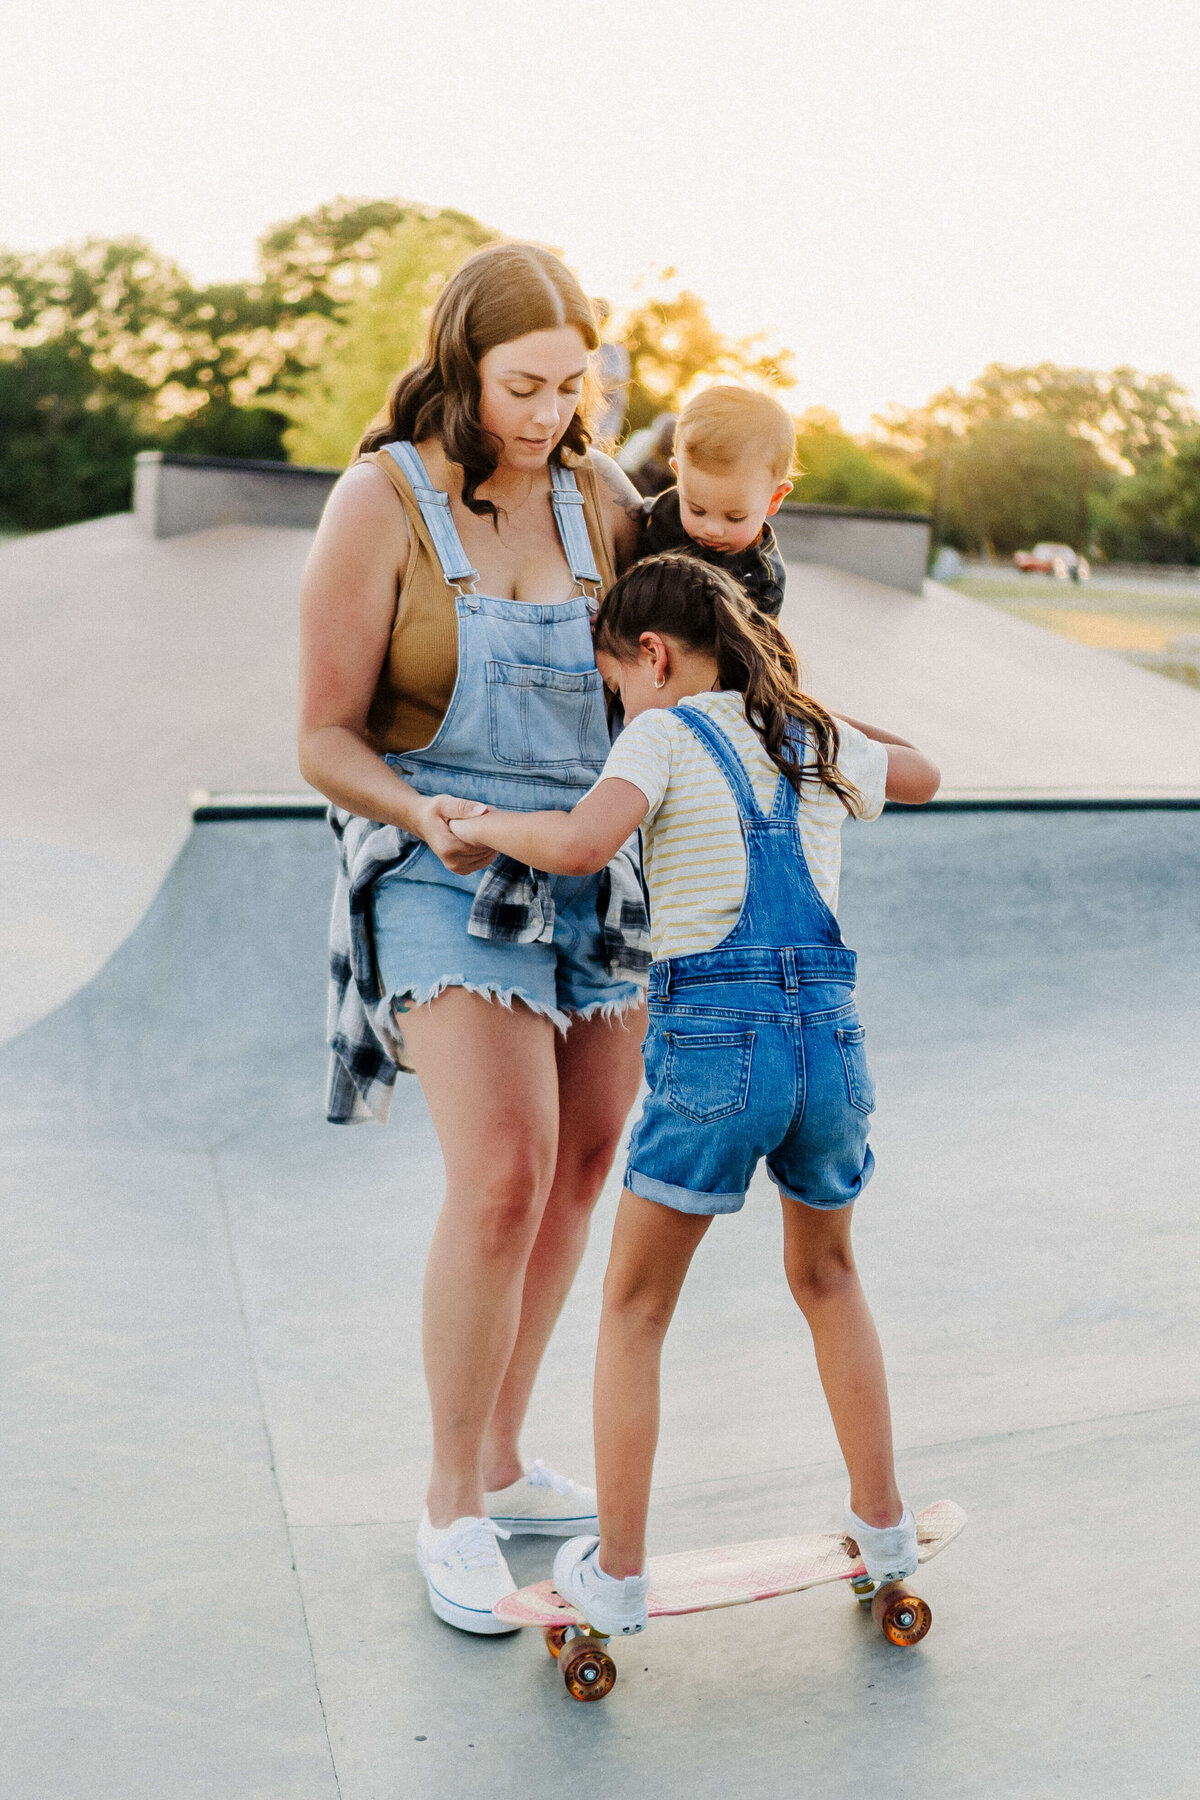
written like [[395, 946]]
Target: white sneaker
[[544, 1504], [890, 1551], [615, 1608], [465, 1572]]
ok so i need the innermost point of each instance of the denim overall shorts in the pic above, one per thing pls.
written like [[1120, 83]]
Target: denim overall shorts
[[754, 1048], [525, 729]]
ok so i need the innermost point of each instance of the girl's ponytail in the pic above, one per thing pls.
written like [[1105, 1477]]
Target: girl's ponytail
[[681, 597]]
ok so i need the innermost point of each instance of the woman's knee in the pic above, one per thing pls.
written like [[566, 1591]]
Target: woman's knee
[[502, 1203], [583, 1167]]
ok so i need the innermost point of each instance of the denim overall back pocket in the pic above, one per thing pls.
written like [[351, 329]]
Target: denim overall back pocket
[[539, 717], [859, 1081], [707, 1074]]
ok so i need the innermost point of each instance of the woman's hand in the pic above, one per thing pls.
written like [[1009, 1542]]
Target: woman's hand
[[430, 819]]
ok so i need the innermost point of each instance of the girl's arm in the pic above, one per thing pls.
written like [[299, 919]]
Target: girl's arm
[[912, 778], [576, 843]]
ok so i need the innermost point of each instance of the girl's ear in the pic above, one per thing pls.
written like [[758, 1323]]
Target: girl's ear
[[779, 496], [654, 648]]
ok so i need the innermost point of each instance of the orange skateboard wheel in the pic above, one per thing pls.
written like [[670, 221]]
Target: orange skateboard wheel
[[556, 1637], [902, 1616], [588, 1671]]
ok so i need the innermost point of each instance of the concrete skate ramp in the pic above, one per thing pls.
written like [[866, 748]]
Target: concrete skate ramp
[[219, 1428]]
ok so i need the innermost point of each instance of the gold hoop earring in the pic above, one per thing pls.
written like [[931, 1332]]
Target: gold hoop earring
[[661, 682]]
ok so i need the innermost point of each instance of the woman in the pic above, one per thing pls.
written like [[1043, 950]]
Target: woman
[[446, 651]]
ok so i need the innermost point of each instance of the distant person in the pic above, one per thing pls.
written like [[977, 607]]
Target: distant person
[[650, 468], [734, 451], [740, 784], [446, 649], [610, 366]]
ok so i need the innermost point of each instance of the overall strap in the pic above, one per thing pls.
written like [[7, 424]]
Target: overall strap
[[787, 801], [567, 502], [435, 510], [725, 757]]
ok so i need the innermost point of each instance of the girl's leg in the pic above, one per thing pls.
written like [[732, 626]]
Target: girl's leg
[[599, 1069], [651, 1249], [825, 1285], [489, 1077]]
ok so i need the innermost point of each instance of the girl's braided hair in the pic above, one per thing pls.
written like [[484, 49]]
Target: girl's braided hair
[[700, 606]]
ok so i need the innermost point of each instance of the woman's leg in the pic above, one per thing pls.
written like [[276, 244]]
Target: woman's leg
[[652, 1248], [824, 1282], [489, 1077], [599, 1070]]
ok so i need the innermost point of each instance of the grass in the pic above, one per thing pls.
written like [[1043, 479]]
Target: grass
[[1159, 631]]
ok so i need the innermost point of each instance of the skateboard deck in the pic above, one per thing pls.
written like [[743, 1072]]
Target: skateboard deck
[[735, 1574]]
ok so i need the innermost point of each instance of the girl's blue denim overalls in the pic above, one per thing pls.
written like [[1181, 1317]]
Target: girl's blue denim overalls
[[754, 1048], [525, 729]]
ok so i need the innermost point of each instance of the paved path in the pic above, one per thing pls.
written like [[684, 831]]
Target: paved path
[[217, 1427]]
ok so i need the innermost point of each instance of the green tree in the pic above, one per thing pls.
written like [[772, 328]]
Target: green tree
[[1124, 414], [106, 348], [839, 471], [382, 335], [1154, 515], [672, 340], [1011, 482]]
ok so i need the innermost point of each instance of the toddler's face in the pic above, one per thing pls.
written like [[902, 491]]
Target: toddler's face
[[724, 509]]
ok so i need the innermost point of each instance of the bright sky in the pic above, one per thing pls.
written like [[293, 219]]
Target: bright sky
[[900, 193]]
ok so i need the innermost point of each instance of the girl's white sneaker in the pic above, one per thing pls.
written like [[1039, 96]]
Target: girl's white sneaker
[[890, 1551], [465, 1572], [614, 1608], [542, 1503]]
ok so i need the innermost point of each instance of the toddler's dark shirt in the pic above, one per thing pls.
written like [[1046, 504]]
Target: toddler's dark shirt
[[759, 567]]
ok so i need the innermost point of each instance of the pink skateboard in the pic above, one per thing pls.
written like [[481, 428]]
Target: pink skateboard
[[701, 1580]]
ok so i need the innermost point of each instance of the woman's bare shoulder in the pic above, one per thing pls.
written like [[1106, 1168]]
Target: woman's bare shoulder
[[621, 504], [364, 507], [614, 482]]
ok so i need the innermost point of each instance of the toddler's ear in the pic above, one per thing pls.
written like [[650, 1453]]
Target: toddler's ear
[[779, 496]]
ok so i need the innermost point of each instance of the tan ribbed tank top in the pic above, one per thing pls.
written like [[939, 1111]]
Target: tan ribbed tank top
[[419, 671]]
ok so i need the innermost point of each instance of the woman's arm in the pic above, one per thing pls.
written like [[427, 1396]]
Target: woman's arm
[[576, 843], [347, 609], [621, 505], [874, 731], [912, 778]]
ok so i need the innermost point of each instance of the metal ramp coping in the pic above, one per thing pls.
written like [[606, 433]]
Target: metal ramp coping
[[222, 808]]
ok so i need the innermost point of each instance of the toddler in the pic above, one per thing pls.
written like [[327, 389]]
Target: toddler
[[734, 451], [740, 784]]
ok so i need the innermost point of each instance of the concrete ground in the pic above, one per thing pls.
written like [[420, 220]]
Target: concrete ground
[[137, 670], [218, 1431]]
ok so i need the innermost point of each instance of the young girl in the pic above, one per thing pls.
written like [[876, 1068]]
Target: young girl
[[740, 784]]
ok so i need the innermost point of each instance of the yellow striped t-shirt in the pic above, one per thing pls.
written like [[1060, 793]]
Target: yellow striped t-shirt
[[695, 860]]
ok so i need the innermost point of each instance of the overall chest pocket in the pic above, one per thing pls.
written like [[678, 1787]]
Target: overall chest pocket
[[707, 1074], [538, 717]]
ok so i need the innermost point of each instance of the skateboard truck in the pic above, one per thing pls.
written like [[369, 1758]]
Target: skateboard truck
[[588, 1671], [902, 1616]]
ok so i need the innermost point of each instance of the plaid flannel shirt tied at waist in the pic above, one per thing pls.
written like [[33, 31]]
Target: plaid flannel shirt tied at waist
[[514, 904]]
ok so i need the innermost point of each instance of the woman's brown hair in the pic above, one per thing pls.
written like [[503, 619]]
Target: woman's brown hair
[[702, 607], [498, 294]]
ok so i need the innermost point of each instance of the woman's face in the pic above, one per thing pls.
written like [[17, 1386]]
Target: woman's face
[[530, 390]]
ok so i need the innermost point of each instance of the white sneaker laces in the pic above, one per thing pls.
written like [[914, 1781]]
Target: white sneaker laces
[[475, 1548], [538, 1475]]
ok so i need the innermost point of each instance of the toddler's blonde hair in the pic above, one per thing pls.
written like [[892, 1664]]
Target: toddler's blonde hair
[[724, 424]]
